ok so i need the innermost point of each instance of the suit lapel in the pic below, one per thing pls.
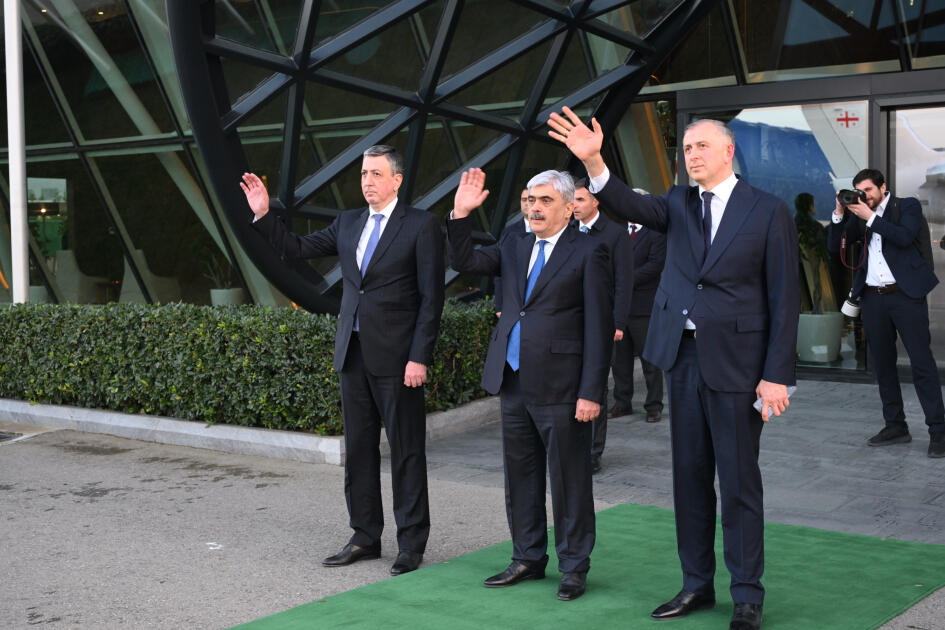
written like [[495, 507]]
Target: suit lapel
[[694, 221], [736, 211], [349, 258], [562, 251], [524, 253], [394, 223]]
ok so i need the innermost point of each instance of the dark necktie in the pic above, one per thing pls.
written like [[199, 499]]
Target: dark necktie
[[633, 232], [707, 220], [515, 337]]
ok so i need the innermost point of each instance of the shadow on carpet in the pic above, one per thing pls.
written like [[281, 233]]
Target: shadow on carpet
[[814, 579]]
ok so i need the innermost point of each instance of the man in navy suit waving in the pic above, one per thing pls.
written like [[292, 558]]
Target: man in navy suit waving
[[724, 328]]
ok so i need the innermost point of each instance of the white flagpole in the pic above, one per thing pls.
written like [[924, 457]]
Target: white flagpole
[[16, 151]]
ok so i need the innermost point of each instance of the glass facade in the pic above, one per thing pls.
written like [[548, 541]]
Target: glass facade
[[124, 205]]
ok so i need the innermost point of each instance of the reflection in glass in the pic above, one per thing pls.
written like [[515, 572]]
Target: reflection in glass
[[100, 68], [917, 169]]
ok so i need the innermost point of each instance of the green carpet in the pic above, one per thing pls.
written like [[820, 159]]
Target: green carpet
[[814, 579]]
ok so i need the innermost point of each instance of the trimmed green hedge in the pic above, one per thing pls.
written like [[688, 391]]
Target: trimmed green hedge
[[245, 365]]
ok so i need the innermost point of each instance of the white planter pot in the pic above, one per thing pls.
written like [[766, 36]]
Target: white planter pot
[[227, 297], [818, 336]]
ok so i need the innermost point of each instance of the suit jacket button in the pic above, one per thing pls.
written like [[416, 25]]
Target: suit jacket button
[[361, 291], [685, 311], [699, 286], [522, 314]]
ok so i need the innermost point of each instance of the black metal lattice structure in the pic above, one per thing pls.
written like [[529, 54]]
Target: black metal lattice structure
[[215, 114]]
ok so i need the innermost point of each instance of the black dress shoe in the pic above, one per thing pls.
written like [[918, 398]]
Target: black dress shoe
[[653, 415], [516, 572], [890, 435], [684, 603], [937, 445], [353, 553], [746, 617], [595, 464], [619, 410], [572, 586], [406, 561]]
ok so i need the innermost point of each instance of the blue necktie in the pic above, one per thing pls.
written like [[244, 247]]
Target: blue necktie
[[585, 229], [515, 337], [371, 242], [707, 220], [368, 252]]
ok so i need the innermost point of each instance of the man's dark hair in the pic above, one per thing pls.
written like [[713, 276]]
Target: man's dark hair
[[871, 174], [394, 158]]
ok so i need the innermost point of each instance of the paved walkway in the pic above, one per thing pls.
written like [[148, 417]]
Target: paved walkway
[[105, 532]]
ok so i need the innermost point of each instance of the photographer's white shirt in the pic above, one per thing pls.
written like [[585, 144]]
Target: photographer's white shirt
[[878, 272]]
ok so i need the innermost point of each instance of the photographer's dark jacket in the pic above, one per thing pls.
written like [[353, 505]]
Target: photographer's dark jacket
[[913, 274]]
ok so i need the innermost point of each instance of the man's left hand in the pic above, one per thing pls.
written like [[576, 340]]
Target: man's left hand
[[774, 396], [586, 410], [861, 210], [415, 375], [618, 335]]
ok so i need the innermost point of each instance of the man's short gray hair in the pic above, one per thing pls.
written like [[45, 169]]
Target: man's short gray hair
[[718, 124], [561, 181], [394, 158]]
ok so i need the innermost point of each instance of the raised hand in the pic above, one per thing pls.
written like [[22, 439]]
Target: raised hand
[[585, 143], [470, 194], [256, 194]]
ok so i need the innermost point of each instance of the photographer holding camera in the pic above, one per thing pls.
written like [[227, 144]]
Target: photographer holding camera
[[891, 285]]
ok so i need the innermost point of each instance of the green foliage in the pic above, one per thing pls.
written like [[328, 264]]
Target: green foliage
[[246, 365]]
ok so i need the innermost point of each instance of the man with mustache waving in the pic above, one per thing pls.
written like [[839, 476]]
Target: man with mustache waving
[[548, 358]]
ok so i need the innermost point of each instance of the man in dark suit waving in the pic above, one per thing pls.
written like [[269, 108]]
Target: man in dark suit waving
[[548, 358], [589, 220], [892, 286], [391, 260], [724, 328]]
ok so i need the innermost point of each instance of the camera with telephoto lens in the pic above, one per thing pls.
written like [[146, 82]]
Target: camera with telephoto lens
[[851, 306], [848, 197]]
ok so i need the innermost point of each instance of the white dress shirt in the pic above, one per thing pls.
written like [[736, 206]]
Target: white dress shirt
[[720, 197], [590, 223], [549, 247], [369, 227]]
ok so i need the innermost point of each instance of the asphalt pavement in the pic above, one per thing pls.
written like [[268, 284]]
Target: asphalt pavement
[[107, 532]]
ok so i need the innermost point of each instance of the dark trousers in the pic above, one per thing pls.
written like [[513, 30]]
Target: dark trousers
[[712, 431], [883, 317], [366, 402], [532, 435], [632, 343]]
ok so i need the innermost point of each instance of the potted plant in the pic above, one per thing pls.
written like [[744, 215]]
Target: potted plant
[[219, 271], [819, 328]]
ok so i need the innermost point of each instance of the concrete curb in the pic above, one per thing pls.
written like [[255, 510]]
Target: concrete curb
[[292, 445]]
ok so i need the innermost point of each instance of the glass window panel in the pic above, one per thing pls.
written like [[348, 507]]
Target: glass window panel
[[44, 126], [336, 17], [182, 259], [439, 156], [606, 54], [79, 245], [265, 159], [701, 59], [640, 17], [482, 29], [241, 21], [503, 91], [925, 28], [333, 109], [373, 61], [101, 69], [917, 169], [791, 40], [573, 71], [646, 144]]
